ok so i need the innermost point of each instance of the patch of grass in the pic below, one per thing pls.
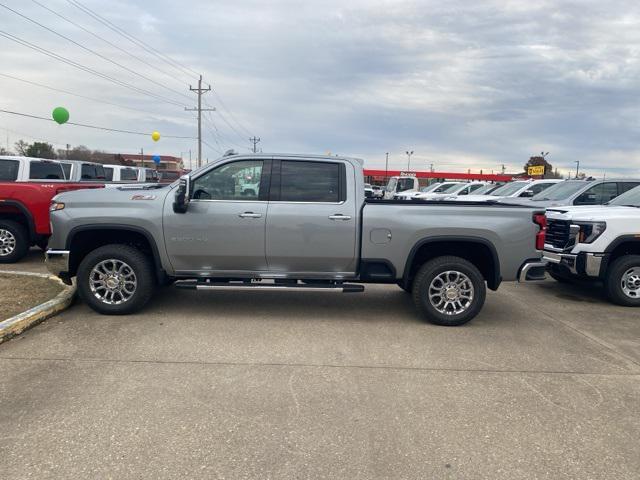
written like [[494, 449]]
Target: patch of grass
[[19, 293]]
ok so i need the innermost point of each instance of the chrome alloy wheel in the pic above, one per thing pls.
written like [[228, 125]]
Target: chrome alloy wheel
[[113, 281], [630, 282], [7, 242], [451, 292]]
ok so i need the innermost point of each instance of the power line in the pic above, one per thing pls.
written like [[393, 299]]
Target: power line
[[235, 130], [111, 44], [93, 52], [95, 127], [71, 93], [174, 63], [222, 104], [223, 138], [85, 68]]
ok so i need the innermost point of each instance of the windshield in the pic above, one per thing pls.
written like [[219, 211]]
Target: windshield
[[509, 188], [447, 187], [560, 191], [430, 188], [630, 198], [484, 189]]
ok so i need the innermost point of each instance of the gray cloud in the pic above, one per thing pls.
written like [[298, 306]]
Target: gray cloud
[[463, 84]]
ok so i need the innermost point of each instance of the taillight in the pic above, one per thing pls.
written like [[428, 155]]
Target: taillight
[[540, 219]]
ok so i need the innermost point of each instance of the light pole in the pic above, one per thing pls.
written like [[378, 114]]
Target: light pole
[[386, 168], [409, 153], [577, 167]]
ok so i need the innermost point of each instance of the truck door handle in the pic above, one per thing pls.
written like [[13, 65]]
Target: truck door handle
[[250, 215], [339, 216]]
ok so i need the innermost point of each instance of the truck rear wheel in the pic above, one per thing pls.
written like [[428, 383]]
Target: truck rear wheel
[[623, 281], [14, 241], [449, 291], [116, 279]]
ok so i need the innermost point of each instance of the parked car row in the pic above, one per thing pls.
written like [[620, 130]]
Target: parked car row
[[26, 169], [27, 186]]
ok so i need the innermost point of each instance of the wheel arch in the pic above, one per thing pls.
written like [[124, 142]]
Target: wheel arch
[[17, 211], [623, 245], [85, 238], [484, 256]]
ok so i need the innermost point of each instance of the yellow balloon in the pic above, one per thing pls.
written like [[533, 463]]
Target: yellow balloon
[[155, 136]]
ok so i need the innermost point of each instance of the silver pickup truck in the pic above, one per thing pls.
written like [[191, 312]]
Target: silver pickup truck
[[304, 225]]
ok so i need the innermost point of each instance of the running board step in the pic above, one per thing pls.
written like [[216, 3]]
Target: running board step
[[313, 287]]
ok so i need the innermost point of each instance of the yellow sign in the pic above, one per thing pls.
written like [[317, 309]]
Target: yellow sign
[[538, 170]]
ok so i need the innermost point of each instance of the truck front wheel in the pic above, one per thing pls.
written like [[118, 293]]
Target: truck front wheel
[[623, 281], [449, 291], [14, 241], [116, 279]]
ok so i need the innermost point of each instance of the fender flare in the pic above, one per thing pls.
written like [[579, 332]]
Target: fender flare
[[493, 283], [27, 214], [160, 272]]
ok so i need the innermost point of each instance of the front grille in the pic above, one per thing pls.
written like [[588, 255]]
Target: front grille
[[557, 233]]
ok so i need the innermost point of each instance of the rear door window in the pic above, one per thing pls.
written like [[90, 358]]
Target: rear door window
[[9, 170], [302, 181], [108, 174], [92, 172], [128, 174], [626, 186], [42, 170], [598, 194]]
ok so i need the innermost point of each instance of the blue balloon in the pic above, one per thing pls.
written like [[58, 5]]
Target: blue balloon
[[156, 158]]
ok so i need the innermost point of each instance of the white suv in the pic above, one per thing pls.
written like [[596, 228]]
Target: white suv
[[600, 242]]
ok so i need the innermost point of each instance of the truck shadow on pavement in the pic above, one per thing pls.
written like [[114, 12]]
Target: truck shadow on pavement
[[389, 304], [589, 292]]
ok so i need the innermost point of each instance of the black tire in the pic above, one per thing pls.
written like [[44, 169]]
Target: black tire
[[432, 269], [613, 282], [137, 261], [14, 241]]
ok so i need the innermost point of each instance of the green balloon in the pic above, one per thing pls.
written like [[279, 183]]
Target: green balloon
[[60, 115]]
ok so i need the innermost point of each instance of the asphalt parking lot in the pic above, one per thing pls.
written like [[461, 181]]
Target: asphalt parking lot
[[545, 383]]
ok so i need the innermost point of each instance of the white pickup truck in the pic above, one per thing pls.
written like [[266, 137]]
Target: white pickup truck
[[598, 242]]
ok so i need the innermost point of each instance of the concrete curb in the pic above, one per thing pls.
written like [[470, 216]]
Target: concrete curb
[[19, 323]]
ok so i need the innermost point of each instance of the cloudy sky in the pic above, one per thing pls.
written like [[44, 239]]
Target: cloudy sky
[[464, 84]]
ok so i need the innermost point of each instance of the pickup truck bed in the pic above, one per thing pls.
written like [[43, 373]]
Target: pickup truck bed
[[308, 225]]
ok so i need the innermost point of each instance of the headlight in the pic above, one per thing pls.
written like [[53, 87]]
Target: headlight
[[55, 206], [590, 231]]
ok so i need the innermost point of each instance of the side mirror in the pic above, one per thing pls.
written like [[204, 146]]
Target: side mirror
[[527, 194], [183, 194]]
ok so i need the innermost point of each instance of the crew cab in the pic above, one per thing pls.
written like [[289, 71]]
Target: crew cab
[[80, 171], [598, 243], [28, 169], [121, 173], [308, 226]]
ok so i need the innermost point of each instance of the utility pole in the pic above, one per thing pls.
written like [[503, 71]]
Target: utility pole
[[386, 167], [431, 168], [199, 109], [577, 167], [255, 141], [67, 152], [409, 153], [142, 156]]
